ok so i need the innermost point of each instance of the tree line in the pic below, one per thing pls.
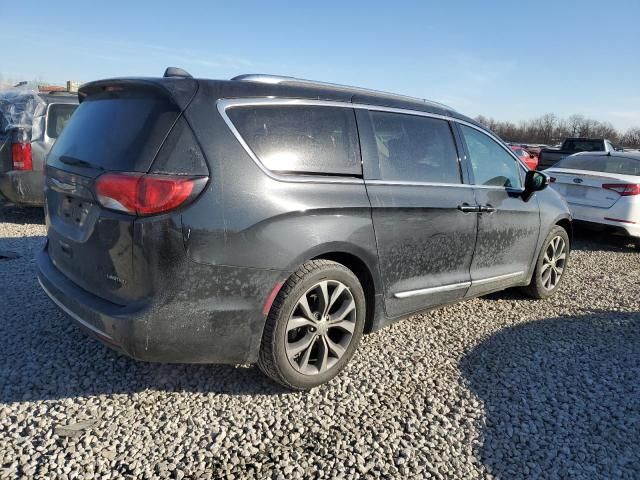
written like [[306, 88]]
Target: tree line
[[550, 129]]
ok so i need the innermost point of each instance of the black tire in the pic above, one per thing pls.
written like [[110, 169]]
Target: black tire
[[273, 359], [537, 288]]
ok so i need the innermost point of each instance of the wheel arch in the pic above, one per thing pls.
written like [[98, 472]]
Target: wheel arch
[[566, 223], [362, 271], [361, 262]]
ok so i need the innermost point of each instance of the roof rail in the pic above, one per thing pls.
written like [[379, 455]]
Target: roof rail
[[278, 79]]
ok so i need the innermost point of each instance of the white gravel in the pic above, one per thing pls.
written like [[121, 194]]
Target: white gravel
[[500, 386]]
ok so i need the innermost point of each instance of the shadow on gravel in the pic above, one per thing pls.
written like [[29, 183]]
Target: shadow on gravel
[[21, 215], [561, 397], [81, 367], [590, 240]]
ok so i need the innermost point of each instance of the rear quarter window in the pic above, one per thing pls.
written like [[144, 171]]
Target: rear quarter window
[[59, 116], [300, 139]]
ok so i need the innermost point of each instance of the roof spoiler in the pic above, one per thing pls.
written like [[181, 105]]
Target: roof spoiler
[[180, 89]]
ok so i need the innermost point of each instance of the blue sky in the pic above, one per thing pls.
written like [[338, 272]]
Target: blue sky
[[508, 60]]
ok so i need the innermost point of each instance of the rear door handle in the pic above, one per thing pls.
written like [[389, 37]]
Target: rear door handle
[[466, 208], [487, 209]]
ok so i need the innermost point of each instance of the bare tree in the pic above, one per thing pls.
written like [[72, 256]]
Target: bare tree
[[549, 129], [631, 138]]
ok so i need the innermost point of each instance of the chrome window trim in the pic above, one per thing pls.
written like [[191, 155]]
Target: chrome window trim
[[435, 184], [224, 104], [418, 184], [456, 286]]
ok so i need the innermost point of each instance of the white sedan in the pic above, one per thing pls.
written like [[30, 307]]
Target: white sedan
[[601, 188]]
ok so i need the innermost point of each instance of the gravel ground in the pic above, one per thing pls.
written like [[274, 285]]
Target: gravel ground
[[501, 387]]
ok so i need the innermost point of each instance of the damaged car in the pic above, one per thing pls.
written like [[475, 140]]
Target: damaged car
[[30, 122]]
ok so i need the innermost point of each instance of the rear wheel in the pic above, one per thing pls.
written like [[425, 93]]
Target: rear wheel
[[314, 326], [551, 265]]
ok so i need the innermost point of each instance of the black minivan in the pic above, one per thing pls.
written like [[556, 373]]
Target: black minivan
[[275, 220]]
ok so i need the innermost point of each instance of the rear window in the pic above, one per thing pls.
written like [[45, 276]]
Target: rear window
[[59, 115], [300, 139], [120, 133], [584, 146], [602, 163]]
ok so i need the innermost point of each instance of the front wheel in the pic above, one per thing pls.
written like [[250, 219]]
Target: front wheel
[[314, 326], [551, 265]]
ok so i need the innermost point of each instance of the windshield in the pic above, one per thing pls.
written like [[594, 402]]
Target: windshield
[[602, 163]]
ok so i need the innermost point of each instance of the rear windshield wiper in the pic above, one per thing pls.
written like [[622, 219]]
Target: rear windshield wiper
[[78, 163]]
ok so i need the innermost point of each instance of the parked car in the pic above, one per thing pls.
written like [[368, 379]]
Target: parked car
[[550, 156], [534, 150], [30, 122], [529, 160], [274, 220], [602, 190]]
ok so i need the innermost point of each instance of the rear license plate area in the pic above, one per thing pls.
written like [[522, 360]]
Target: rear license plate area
[[74, 210], [575, 191]]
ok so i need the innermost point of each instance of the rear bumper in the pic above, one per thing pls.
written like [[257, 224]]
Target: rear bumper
[[599, 218], [24, 188], [611, 228], [182, 331]]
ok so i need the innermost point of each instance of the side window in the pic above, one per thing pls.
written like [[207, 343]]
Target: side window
[[415, 148], [490, 162], [301, 139], [59, 115]]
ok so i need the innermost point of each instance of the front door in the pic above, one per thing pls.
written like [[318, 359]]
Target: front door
[[415, 185], [508, 227]]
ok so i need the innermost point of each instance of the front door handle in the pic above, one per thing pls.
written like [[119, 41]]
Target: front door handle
[[466, 208], [487, 209]]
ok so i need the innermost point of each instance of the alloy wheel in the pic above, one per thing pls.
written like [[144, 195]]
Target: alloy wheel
[[320, 327], [553, 263]]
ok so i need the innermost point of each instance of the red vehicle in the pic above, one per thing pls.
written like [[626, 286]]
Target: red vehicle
[[530, 161]]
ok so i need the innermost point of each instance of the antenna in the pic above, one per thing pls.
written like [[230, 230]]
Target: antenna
[[175, 72]]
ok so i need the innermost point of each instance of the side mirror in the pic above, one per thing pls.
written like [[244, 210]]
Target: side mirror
[[534, 181]]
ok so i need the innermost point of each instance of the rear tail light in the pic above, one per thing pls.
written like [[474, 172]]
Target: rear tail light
[[21, 155], [140, 194], [624, 189]]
